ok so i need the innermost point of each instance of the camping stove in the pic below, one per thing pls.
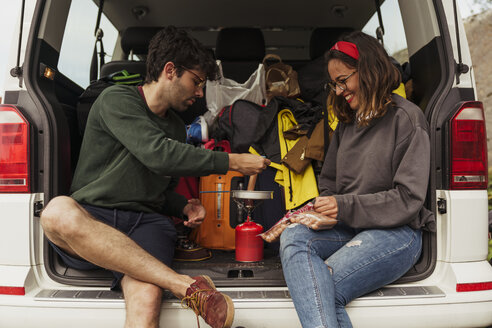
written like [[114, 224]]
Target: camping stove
[[249, 245]]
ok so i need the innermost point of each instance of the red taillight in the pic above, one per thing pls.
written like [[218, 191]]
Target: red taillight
[[474, 287], [469, 148], [14, 151]]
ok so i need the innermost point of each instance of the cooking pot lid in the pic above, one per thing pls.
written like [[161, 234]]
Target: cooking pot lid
[[252, 194]]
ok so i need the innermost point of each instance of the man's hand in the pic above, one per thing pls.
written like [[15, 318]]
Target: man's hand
[[195, 212], [247, 164], [326, 205]]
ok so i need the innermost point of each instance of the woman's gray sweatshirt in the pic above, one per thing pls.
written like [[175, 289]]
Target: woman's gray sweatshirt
[[379, 173]]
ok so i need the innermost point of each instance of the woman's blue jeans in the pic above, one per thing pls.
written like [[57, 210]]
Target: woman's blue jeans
[[326, 269]]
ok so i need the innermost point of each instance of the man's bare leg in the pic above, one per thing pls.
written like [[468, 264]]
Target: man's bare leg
[[72, 228], [143, 303]]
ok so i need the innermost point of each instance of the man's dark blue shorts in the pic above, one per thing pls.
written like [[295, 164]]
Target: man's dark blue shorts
[[154, 232]]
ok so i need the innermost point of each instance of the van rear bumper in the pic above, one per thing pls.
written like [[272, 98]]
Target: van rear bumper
[[62, 308]]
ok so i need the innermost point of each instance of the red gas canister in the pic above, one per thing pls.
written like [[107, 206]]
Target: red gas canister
[[249, 246]]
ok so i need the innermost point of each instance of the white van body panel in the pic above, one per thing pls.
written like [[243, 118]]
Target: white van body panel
[[11, 83], [462, 230], [17, 215], [466, 80], [420, 16], [450, 310], [440, 310], [14, 275]]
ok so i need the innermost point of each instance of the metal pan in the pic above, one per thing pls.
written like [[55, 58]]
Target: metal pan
[[252, 194]]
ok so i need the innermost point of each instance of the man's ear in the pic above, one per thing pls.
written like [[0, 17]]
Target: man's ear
[[169, 70]]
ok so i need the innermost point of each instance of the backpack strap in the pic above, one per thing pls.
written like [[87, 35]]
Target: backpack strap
[[123, 77]]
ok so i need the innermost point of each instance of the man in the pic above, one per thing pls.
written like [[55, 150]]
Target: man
[[122, 192]]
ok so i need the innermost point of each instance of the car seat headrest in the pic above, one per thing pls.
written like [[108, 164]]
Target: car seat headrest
[[323, 38], [137, 39], [240, 44]]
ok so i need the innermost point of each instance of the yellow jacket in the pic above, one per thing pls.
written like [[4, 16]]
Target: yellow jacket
[[298, 188]]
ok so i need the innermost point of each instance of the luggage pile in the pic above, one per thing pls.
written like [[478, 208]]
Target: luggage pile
[[271, 121]]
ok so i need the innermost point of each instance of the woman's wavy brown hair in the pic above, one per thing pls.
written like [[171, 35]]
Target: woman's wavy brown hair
[[378, 77]]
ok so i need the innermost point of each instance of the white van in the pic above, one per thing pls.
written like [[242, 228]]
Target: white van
[[450, 286]]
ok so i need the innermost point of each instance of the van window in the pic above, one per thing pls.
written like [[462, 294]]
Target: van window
[[394, 38], [78, 41]]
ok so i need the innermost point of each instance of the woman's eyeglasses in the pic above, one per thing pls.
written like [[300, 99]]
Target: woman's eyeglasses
[[342, 84], [200, 84]]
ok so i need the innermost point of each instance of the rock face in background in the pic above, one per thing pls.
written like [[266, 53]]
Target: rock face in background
[[479, 34]]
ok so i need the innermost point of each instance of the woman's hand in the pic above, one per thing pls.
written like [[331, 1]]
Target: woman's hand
[[314, 220], [326, 205], [195, 212], [323, 216]]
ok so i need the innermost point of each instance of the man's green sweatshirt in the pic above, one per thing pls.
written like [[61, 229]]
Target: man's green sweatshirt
[[131, 159]]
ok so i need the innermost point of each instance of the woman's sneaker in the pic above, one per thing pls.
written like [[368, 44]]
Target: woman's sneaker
[[214, 307]]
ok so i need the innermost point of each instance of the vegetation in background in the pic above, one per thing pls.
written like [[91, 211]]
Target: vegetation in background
[[478, 6], [489, 189]]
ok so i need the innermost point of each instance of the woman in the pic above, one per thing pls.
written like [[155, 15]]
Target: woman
[[373, 182]]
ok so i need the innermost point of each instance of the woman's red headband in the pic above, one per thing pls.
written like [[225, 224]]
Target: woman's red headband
[[347, 48]]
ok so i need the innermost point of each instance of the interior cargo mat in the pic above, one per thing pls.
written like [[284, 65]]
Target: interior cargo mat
[[227, 272]]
